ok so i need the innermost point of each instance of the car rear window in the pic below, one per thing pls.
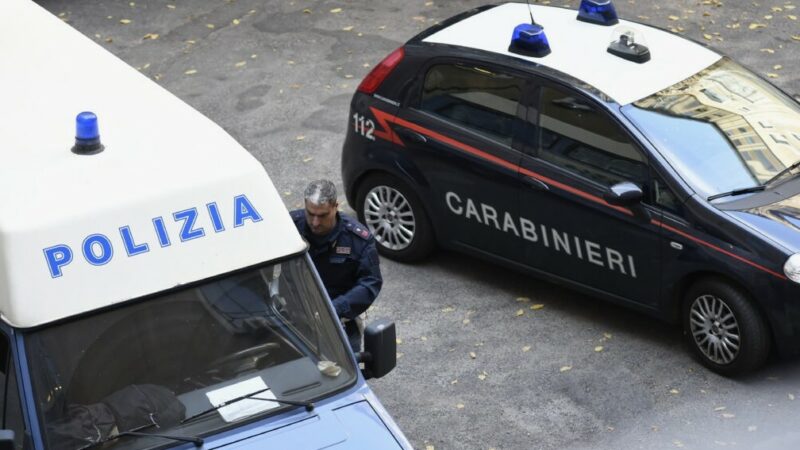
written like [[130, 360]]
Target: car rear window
[[480, 99]]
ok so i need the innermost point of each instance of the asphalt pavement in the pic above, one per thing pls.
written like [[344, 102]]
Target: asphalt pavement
[[487, 358]]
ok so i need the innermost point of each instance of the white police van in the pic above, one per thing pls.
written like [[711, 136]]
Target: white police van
[[154, 291]]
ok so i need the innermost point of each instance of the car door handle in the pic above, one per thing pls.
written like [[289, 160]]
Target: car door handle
[[536, 183], [412, 135]]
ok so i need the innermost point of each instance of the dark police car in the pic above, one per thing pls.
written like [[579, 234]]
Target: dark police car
[[616, 157]]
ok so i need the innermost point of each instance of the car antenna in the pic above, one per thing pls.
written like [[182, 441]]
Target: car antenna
[[530, 11]]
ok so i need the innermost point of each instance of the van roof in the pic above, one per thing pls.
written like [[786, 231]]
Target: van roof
[[579, 48], [161, 159]]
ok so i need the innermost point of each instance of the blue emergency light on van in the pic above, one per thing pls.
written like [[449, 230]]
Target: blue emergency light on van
[[600, 12], [529, 39], [87, 134]]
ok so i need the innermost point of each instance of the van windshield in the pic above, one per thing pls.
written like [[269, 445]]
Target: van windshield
[[168, 357], [722, 129]]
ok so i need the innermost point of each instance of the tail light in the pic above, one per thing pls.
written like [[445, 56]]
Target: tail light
[[374, 79]]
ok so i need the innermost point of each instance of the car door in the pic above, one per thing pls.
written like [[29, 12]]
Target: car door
[[579, 152], [460, 131]]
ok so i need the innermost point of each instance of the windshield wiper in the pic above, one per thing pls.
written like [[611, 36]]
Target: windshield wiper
[[308, 405], [739, 191], [137, 432], [783, 172]]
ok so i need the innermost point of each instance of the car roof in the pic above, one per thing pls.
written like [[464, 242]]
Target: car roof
[[161, 156], [579, 48]]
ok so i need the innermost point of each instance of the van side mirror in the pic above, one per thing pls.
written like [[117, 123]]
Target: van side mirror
[[380, 349], [6, 439], [628, 195]]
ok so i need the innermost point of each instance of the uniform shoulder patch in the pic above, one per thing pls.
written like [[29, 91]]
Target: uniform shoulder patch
[[357, 229]]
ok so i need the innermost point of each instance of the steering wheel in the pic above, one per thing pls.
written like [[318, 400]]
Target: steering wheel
[[253, 354]]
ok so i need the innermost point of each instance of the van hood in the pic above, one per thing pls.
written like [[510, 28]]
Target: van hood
[[354, 426], [778, 221]]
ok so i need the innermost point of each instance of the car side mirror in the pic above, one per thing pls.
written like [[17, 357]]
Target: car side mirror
[[6, 439], [623, 194], [628, 195], [380, 349]]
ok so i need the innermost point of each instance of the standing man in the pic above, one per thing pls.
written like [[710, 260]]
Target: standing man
[[344, 254]]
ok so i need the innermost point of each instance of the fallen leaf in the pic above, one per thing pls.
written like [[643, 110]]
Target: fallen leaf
[[523, 299], [473, 355], [424, 338], [210, 26], [796, 38], [171, 6], [482, 376], [719, 408], [465, 321], [674, 391], [190, 72], [236, 21], [519, 313], [300, 138], [460, 406], [728, 415], [674, 18], [791, 17], [607, 335], [777, 67], [253, 56], [399, 355], [537, 306], [348, 28], [448, 309], [307, 159], [454, 382], [307, 11], [768, 50], [241, 64], [791, 396], [772, 75], [336, 10], [707, 36], [151, 36], [398, 341], [565, 368], [526, 348], [755, 26], [429, 447], [125, 21], [598, 349]]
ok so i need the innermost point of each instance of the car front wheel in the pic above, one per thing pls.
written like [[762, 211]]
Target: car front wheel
[[394, 215], [724, 329]]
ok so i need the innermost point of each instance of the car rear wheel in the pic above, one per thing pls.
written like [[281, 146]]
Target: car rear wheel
[[394, 215], [724, 329]]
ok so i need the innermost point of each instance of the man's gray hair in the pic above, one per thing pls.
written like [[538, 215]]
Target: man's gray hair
[[320, 192]]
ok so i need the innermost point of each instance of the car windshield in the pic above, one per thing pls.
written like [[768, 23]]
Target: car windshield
[[167, 357], [722, 129]]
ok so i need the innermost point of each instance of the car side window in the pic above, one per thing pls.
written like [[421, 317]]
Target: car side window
[[483, 100], [579, 138], [11, 414]]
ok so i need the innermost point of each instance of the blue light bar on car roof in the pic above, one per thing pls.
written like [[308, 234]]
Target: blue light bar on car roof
[[600, 12], [529, 40]]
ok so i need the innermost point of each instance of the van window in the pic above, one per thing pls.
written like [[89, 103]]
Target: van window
[[153, 362], [483, 100], [9, 393], [581, 139]]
